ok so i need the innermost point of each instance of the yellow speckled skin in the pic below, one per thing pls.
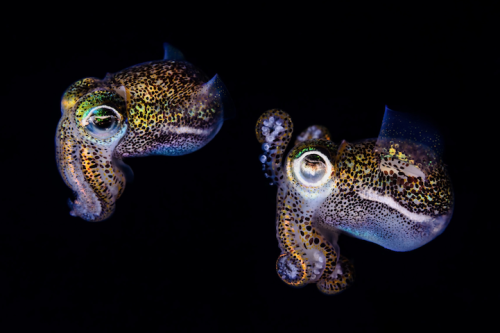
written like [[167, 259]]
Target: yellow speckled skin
[[325, 189], [165, 107]]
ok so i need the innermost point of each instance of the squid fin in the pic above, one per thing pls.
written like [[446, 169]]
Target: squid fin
[[171, 53]]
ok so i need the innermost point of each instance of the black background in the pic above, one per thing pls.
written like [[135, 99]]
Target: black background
[[192, 245]]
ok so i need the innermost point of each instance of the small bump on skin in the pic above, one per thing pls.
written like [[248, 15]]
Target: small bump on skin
[[359, 189]]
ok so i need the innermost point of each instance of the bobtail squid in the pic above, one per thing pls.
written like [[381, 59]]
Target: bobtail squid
[[165, 107], [393, 191]]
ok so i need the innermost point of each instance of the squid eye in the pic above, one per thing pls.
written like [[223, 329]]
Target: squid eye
[[102, 122], [312, 168]]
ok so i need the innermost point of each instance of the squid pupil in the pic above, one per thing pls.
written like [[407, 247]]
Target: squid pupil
[[313, 158], [313, 161], [313, 168], [103, 119], [104, 123]]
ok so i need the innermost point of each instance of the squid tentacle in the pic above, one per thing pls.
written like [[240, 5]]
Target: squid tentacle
[[306, 253], [339, 279], [313, 132], [274, 130]]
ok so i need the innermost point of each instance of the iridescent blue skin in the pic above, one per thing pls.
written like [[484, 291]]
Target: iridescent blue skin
[[166, 107], [393, 191]]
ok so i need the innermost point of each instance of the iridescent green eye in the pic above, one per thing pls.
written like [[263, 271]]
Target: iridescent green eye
[[102, 122], [312, 168]]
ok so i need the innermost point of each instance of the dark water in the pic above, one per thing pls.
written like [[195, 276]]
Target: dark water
[[192, 246]]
